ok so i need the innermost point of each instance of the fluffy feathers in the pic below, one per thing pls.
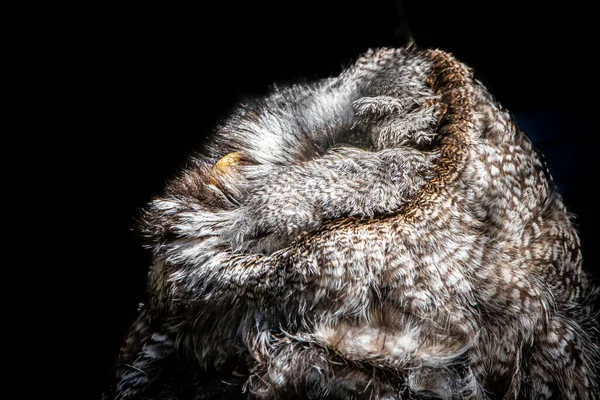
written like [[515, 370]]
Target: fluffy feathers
[[388, 233]]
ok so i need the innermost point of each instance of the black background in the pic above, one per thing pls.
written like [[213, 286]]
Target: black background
[[154, 80]]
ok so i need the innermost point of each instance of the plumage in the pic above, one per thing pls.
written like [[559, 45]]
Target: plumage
[[388, 233]]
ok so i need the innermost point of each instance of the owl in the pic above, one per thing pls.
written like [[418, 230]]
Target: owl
[[388, 233]]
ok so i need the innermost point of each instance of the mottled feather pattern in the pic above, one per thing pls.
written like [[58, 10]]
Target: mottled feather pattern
[[389, 233]]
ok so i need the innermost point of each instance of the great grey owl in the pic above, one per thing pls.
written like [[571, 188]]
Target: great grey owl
[[389, 233]]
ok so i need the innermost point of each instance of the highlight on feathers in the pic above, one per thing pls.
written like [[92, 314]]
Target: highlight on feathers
[[387, 233]]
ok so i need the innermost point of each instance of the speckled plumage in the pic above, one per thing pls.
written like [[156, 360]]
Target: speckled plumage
[[389, 233]]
